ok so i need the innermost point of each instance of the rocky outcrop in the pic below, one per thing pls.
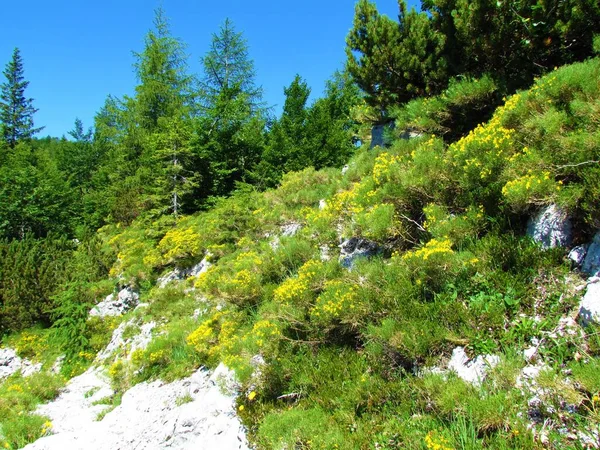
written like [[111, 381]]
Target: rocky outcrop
[[125, 300], [472, 371], [551, 227], [355, 248], [11, 363], [591, 263], [193, 413], [589, 307], [179, 274], [127, 345]]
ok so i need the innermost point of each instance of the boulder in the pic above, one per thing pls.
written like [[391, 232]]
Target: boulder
[[354, 248], [11, 363], [589, 307], [472, 371], [345, 169], [551, 227], [591, 263], [126, 299]]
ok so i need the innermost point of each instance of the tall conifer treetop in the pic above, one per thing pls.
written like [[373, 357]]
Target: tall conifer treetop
[[16, 111], [228, 66]]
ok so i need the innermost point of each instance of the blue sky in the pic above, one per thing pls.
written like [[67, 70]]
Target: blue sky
[[76, 52]]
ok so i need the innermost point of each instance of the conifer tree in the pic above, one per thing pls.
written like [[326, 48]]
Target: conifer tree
[[232, 112], [16, 111]]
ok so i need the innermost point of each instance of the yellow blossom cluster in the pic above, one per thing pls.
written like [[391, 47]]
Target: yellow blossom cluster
[[178, 243], [337, 298], [265, 331], [434, 441], [433, 247], [385, 165], [530, 188], [298, 287], [31, 345], [46, 428]]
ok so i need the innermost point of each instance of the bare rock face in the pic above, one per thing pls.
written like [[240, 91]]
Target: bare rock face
[[472, 371], [589, 308], [551, 227], [11, 363], [591, 263], [126, 299], [193, 413], [128, 345], [182, 274], [354, 248]]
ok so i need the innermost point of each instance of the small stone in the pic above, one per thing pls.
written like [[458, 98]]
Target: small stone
[[472, 371], [290, 229]]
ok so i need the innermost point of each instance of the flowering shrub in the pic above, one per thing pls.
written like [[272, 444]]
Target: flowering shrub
[[338, 300], [180, 243], [533, 188], [297, 289]]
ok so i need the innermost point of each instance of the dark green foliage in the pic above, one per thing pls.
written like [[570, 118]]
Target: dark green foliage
[[395, 62], [16, 111], [232, 116], [31, 272]]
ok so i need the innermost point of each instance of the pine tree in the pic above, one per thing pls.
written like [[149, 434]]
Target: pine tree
[[16, 111]]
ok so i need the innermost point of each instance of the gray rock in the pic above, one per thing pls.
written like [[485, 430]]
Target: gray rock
[[126, 299], [11, 363], [589, 307], [322, 204], [179, 274], [577, 254], [551, 228], [354, 248], [472, 371], [345, 169], [591, 264]]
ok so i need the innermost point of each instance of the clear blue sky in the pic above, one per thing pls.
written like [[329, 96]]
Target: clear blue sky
[[76, 52]]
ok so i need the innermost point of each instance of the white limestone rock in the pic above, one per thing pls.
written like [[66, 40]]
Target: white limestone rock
[[128, 345], [179, 274], [589, 307], [472, 371], [551, 227], [11, 363], [126, 299], [192, 413]]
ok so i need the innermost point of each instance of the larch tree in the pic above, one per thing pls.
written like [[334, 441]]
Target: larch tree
[[232, 116], [16, 110]]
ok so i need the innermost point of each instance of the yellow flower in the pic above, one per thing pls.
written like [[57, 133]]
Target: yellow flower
[[241, 408], [251, 395]]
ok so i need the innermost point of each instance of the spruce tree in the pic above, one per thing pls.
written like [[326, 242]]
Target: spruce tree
[[16, 111]]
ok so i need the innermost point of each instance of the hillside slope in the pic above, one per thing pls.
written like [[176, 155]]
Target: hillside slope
[[399, 303]]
